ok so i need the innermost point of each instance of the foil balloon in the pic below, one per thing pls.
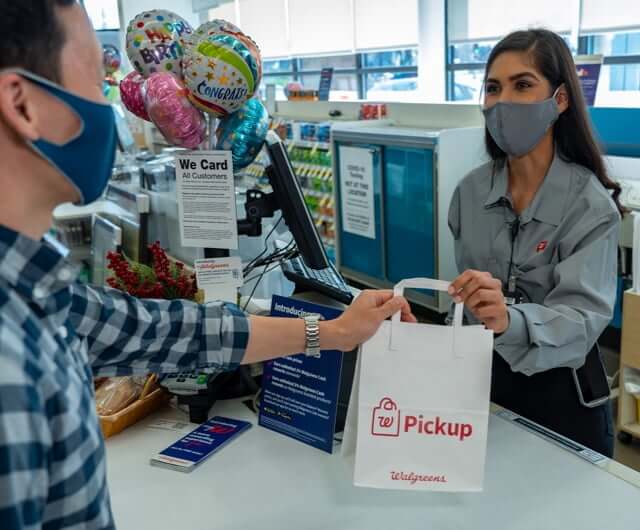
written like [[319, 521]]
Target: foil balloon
[[218, 26], [155, 42], [244, 132], [167, 103], [111, 59], [222, 74], [131, 95]]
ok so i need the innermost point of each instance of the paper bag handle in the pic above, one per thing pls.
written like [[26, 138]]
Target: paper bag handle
[[433, 285]]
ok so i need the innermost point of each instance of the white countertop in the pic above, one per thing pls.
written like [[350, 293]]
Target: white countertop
[[266, 481]]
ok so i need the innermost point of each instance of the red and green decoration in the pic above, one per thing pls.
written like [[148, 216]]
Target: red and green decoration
[[164, 279]]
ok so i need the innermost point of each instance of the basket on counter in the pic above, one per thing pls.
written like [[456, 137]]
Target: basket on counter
[[133, 413]]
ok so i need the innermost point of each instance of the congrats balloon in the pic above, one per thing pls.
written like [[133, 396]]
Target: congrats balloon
[[169, 108], [243, 133], [155, 42], [221, 73], [218, 26]]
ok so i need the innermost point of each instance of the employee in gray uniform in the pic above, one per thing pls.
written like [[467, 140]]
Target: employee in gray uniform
[[536, 234]]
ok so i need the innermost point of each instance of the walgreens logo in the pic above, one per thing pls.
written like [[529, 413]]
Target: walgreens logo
[[387, 420]]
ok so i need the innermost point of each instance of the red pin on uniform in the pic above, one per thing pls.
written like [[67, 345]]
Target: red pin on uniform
[[541, 246]]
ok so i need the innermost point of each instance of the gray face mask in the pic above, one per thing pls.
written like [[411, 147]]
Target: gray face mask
[[518, 127]]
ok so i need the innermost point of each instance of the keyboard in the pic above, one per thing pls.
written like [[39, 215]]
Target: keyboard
[[325, 281]]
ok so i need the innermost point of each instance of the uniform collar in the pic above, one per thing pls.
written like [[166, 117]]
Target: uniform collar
[[549, 203], [35, 270]]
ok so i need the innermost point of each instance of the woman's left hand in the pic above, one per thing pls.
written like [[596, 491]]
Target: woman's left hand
[[482, 294]]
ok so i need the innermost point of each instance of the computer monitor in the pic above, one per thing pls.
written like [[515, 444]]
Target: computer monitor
[[290, 200], [126, 142]]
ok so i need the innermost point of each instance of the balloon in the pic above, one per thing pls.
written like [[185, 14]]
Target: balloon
[[170, 110], [131, 95], [221, 73], [217, 26], [155, 42], [243, 133], [111, 59]]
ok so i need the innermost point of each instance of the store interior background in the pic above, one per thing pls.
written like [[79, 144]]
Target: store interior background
[[408, 53]]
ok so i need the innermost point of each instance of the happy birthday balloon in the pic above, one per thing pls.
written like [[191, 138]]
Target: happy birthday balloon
[[167, 103], [243, 133], [155, 42], [221, 73], [131, 95]]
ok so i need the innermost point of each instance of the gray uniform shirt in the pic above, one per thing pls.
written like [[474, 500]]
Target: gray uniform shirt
[[564, 259]]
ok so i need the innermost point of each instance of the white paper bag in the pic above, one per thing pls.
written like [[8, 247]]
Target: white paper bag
[[419, 409]]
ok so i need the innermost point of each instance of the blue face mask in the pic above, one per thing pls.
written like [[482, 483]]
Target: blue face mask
[[86, 160]]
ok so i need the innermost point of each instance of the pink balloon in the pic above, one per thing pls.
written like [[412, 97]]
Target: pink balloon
[[170, 110], [131, 95]]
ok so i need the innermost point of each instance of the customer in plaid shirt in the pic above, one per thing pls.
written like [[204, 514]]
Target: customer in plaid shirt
[[56, 334]]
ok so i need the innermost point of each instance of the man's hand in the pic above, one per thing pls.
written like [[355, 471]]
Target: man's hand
[[362, 319], [482, 294]]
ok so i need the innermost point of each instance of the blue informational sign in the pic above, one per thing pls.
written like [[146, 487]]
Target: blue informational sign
[[300, 393], [326, 76], [589, 74]]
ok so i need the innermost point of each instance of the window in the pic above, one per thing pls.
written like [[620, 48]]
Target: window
[[103, 13], [470, 41], [344, 87], [619, 84], [334, 61], [277, 66], [391, 58], [388, 86]]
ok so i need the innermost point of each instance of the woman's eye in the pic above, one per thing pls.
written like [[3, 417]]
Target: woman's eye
[[491, 89], [522, 85]]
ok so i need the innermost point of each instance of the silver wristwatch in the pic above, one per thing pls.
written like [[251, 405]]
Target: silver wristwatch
[[312, 334]]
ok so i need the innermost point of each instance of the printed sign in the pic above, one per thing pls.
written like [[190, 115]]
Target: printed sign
[[356, 191], [300, 393], [588, 70], [206, 200]]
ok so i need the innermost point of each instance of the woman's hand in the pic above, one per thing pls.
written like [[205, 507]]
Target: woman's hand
[[362, 319], [482, 294]]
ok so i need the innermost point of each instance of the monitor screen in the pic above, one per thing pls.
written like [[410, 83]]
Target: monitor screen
[[290, 199], [126, 142]]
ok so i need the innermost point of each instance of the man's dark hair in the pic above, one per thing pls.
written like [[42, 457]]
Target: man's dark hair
[[31, 36]]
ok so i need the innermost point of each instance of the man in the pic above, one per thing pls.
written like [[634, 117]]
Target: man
[[55, 334]]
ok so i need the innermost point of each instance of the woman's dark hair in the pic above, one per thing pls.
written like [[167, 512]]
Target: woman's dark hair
[[572, 132], [31, 36]]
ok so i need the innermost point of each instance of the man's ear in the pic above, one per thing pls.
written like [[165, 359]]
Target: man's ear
[[16, 106]]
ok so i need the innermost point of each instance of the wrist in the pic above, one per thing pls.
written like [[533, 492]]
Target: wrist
[[506, 321], [333, 336]]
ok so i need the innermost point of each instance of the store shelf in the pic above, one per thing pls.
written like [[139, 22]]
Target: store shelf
[[633, 429], [312, 167], [317, 193], [309, 145], [322, 217]]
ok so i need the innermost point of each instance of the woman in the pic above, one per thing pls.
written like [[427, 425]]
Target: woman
[[536, 232]]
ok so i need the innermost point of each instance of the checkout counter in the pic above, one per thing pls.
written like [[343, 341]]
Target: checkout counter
[[268, 481]]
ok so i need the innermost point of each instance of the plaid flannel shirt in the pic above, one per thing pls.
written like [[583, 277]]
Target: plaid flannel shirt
[[55, 335]]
